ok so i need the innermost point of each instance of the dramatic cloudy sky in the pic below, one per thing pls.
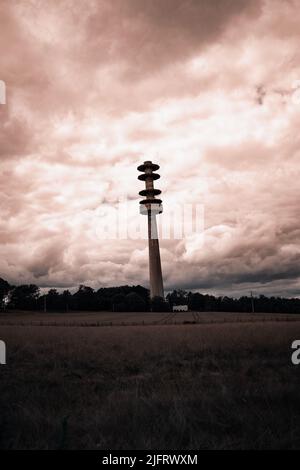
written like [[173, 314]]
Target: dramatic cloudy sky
[[210, 89]]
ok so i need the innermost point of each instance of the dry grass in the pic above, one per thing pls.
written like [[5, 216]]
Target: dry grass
[[22, 318], [155, 387]]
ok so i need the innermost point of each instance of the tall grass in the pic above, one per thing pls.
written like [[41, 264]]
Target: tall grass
[[155, 387]]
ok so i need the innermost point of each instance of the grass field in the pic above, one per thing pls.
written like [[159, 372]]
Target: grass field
[[170, 383], [135, 318]]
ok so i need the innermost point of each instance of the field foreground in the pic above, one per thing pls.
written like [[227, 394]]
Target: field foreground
[[188, 386]]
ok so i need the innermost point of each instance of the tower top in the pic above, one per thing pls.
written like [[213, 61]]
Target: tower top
[[150, 203], [148, 167]]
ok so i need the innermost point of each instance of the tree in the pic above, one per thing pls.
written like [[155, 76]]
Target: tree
[[196, 301], [66, 300], [158, 304], [54, 300], [177, 297], [135, 303], [25, 297], [85, 298], [136, 298], [4, 290], [118, 303]]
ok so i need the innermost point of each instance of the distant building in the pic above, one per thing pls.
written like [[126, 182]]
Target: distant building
[[180, 308]]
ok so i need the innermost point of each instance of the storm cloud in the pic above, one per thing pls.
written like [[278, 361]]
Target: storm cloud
[[209, 89]]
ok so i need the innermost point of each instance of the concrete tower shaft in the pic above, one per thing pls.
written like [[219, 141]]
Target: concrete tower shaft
[[151, 206]]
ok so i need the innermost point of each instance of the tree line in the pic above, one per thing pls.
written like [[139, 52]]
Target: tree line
[[134, 299]]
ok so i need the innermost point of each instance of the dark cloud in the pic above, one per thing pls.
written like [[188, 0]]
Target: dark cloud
[[205, 87], [152, 34]]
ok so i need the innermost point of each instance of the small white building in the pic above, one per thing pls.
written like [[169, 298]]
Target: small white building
[[180, 308]]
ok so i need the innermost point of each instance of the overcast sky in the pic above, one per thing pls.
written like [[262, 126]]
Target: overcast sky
[[209, 89]]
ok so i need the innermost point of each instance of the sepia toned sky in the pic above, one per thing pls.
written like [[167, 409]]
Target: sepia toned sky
[[209, 89]]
